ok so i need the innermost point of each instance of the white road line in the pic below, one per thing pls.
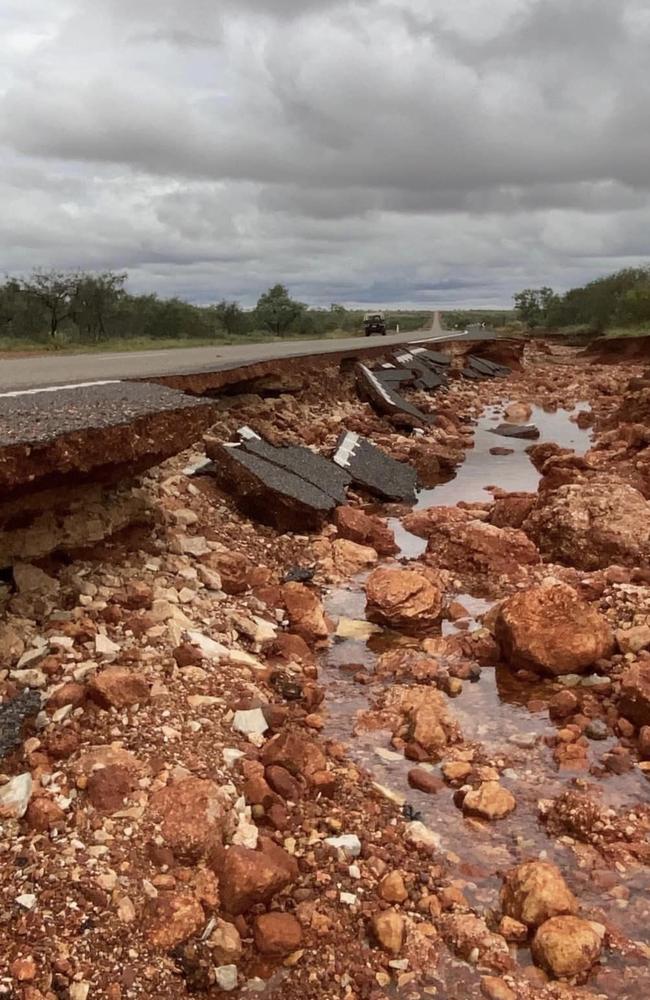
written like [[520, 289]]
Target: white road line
[[58, 388], [449, 336]]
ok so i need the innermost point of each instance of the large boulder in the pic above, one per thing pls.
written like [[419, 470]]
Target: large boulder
[[305, 612], [191, 815], [403, 599], [567, 947], [551, 630], [534, 892], [365, 529], [458, 540], [592, 525], [247, 878], [634, 697]]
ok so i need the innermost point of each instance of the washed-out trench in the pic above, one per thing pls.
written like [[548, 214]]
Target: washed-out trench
[[492, 711]]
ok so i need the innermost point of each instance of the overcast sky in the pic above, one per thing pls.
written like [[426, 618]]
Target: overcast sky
[[434, 152]]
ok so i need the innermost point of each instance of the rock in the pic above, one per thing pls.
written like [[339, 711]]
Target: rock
[[251, 721], [283, 783], [458, 541], [350, 557], [592, 525], [118, 687], [348, 842], [69, 693], [568, 946], [403, 599], [109, 787], [392, 888], [456, 770], [225, 942], [633, 640], [517, 412], [493, 988], [634, 696], [472, 940], [534, 892], [226, 976], [597, 729], [298, 754], [305, 612], [15, 796], [32, 580], [43, 814], [513, 930], [105, 646], [527, 432], [12, 646], [247, 877], [389, 929], [191, 815], [551, 630], [187, 655], [173, 918], [563, 704], [429, 721], [512, 510], [644, 743], [489, 801], [420, 835], [365, 529], [424, 781], [277, 934]]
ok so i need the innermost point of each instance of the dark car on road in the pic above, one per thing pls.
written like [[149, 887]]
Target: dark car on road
[[374, 324]]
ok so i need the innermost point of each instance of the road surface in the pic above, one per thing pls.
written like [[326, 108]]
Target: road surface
[[51, 370]]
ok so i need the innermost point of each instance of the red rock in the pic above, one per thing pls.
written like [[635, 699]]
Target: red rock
[[389, 929], [592, 524], [350, 558], [568, 946], [68, 694], [644, 743], [550, 629], [62, 743], [365, 529], [187, 655], [117, 687], [298, 754], [277, 933], [466, 933], [392, 888], [282, 782], [290, 648], [109, 787], [247, 878], [424, 781], [493, 988], [43, 813], [305, 612], [490, 801], [563, 704], [534, 892], [138, 595], [173, 918], [511, 511], [403, 598], [634, 697], [429, 720], [234, 568], [191, 816]]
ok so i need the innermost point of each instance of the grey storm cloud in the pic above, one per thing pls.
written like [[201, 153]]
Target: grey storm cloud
[[364, 150]]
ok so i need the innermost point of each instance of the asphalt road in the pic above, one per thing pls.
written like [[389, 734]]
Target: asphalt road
[[51, 371]]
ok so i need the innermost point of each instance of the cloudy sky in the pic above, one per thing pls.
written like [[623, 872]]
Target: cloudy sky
[[433, 152]]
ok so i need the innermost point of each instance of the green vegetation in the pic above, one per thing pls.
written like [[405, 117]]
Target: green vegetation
[[87, 311], [460, 319], [618, 304]]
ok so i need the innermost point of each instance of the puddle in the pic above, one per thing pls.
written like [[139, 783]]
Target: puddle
[[492, 712]]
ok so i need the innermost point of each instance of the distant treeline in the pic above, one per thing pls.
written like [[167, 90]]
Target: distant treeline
[[457, 319], [619, 300], [84, 307]]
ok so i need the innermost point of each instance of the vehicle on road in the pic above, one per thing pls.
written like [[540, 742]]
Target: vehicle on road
[[374, 324]]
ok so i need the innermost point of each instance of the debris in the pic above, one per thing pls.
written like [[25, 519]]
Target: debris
[[374, 470], [526, 432], [13, 715], [385, 399], [15, 796], [250, 722]]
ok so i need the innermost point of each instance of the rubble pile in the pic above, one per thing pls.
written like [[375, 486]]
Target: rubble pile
[[311, 731]]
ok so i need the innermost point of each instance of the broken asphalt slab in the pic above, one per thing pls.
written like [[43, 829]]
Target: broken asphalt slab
[[527, 432], [301, 462], [384, 399], [13, 715], [268, 492], [102, 432], [487, 367], [428, 376], [374, 470]]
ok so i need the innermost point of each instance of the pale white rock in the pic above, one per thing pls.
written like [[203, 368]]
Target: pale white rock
[[62, 713], [209, 577], [231, 756], [31, 678], [348, 842], [389, 755], [15, 796], [347, 898], [185, 517], [61, 642], [31, 657], [389, 793], [27, 900], [190, 545], [251, 721], [80, 990], [247, 834], [420, 835], [350, 628], [199, 700], [105, 646], [226, 977], [162, 611]]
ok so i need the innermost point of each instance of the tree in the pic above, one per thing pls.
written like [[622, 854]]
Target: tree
[[56, 291], [533, 304], [96, 300], [276, 311], [231, 317]]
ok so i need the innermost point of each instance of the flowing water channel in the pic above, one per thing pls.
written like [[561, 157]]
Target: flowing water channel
[[494, 713]]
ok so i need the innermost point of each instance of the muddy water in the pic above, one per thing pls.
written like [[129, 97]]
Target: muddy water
[[493, 713]]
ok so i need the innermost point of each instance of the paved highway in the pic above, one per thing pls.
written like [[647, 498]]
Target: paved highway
[[52, 370]]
